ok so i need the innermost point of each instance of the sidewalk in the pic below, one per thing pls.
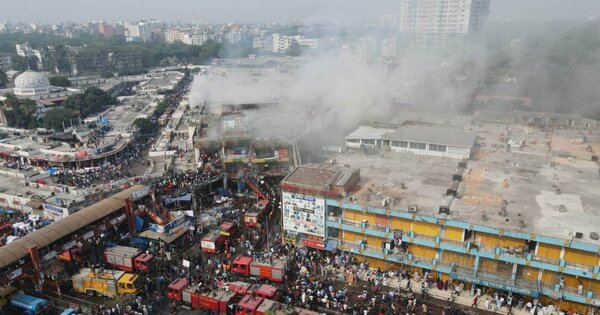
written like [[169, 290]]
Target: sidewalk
[[464, 299]]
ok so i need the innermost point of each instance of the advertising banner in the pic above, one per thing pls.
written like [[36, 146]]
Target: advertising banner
[[304, 214]]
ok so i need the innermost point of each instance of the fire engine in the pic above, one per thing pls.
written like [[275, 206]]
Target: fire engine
[[256, 213], [128, 258], [273, 271]]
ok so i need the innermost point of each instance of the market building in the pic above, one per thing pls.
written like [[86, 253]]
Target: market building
[[520, 218]]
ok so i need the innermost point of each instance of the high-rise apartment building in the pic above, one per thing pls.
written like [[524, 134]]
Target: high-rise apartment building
[[173, 36], [105, 29], [141, 31], [435, 22]]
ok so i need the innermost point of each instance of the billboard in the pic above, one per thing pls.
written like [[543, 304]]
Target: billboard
[[304, 214]]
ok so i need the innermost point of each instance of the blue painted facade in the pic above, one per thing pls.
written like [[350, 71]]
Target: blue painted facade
[[495, 253]]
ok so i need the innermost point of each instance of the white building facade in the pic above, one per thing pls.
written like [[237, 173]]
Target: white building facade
[[435, 22], [432, 141]]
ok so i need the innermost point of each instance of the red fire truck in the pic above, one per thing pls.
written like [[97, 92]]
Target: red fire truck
[[256, 213], [216, 301], [128, 258], [264, 270], [213, 241], [228, 229], [267, 291], [248, 305], [175, 289], [240, 288], [268, 307]]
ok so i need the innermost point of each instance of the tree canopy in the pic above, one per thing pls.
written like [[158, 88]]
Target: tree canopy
[[20, 113], [60, 81], [3, 78], [54, 118], [145, 125], [93, 100]]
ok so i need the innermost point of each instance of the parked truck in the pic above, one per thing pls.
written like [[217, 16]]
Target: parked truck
[[256, 213], [273, 270], [109, 283], [29, 305], [215, 301], [213, 242], [128, 258]]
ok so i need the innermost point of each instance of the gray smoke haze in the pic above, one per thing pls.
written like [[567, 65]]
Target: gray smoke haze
[[327, 96], [331, 91], [267, 10]]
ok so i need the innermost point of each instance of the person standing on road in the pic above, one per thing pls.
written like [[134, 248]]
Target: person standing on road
[[475, 300]]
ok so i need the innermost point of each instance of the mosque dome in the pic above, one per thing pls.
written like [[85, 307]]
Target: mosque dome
[[31, 83]]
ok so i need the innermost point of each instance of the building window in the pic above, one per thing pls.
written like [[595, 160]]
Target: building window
[[353, 141], [401, 144], [437, 147], [368, 141], [418, 145]]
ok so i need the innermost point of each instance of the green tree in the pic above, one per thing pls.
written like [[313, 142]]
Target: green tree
[[3, 78], [63, 65], [54, 118], [161, 108], [91, 101], [60, 81], [20, 63], [20, 113], [145, 126]]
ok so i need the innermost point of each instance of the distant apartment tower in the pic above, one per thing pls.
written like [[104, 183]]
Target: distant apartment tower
[[199, 38], [119, 29], [281, 43], [125, 62], [435, 22], [141, 31], [173, 36], [25, 50], [389, 48], [308, 42], [234, 37], [389, 21], [105, 29]]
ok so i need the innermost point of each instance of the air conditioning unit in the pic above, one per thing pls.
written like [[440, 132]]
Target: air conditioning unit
[[413, 208]]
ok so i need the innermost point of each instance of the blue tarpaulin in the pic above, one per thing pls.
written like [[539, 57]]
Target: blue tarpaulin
[[139, 223], [53, 170], [139, 242], [224, 192]]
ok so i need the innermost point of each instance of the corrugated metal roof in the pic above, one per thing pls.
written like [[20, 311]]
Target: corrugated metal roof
[[368, 133], [11, 253], [449, 137]]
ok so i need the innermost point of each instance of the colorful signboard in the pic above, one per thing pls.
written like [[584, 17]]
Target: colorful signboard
[[304, 214]]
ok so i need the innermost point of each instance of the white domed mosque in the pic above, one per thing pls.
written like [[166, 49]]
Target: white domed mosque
[[31, 83]]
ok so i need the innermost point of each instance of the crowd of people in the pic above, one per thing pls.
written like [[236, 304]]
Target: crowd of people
[[185, 181], [120, 167]]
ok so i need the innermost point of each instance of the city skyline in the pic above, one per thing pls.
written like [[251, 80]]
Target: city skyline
[[310, 11]]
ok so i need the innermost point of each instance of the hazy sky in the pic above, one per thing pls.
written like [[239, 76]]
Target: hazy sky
[[266, 10]]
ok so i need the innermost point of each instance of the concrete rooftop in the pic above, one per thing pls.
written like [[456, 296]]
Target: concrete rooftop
[[546, 194]]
